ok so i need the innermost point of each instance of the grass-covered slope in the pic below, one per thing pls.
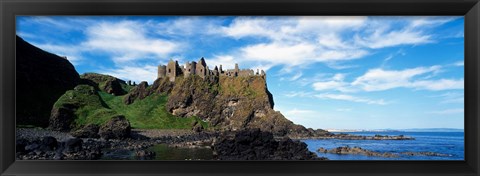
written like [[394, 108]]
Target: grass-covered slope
[[149, 112], [86, 104]]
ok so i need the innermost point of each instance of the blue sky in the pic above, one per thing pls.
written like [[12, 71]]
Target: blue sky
[[324, 72]]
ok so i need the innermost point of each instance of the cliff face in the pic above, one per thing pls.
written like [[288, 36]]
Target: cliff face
[[230, 103], [41, 78]]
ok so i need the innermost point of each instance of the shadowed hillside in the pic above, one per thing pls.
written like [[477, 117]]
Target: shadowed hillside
[[41, 78]]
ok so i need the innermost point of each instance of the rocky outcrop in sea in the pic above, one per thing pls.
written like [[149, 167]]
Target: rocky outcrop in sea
[[355, 151], [260, 145], [347, 150]]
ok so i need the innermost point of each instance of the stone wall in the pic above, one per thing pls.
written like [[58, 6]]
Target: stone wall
[[172, 70]]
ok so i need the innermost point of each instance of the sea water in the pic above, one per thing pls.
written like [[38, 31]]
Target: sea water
[[450, 143]]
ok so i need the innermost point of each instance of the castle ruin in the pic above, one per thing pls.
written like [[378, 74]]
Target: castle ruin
[[172, 70]]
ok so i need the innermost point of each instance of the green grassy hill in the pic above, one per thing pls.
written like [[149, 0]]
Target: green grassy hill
[[96, 106]]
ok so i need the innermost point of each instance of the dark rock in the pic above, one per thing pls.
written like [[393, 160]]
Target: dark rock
[[144, 155], [344, 136], [73, 145], [355, 151], [20, 145], [48, 143], [424, 154], [88, 131], [32, 146], [106, 83], [58, 156], [62, 117], [254, 144], [197, 127], [41, 79], [117, 127], [138, 92], [160, 86]]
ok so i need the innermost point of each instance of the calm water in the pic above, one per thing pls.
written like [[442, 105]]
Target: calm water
[[165, 152], [451, 143]]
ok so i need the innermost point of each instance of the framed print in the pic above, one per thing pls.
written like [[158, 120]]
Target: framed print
[[255, 87]]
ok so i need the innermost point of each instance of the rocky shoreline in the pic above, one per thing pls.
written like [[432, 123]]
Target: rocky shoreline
[[347, 150], [43, 144], [357, 137], [253, 144]]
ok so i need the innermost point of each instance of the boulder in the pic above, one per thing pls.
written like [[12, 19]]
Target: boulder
[[65, 110], [20, 145], [88, 131], [48, 143], [117, 127], [32, 146], [197, 127], [144, 155], [255, 144], [41, 78], [62, 117], [73, 145]]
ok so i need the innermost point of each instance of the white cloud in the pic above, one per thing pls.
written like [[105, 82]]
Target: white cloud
[[328, 85], [344, 109], [429, 21], [408, 31], [227, 62], [451, 97], [448, 111], [188, 26], [441, 84], [296, 76], [127, 41], [134, 73], [299, 94], [295, 41], [56, 24], [73, 53], [459, 63], [277, 53], [296, 111], [383, 39], [351, 98], [335, 83], [380, 79], [268, 27]]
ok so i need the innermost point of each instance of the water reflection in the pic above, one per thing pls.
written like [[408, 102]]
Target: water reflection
[[165, 152]]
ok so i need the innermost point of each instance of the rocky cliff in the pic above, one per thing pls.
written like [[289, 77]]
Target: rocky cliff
[[41, 78], [227, 103]]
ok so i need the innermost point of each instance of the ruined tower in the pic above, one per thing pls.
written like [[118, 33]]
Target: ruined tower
[[236, 70], [201, 68], [190, 69], [172, 70], [161, 73], [215, 71]]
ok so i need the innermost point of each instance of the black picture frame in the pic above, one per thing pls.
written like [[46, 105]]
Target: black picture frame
[[11, 8]]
